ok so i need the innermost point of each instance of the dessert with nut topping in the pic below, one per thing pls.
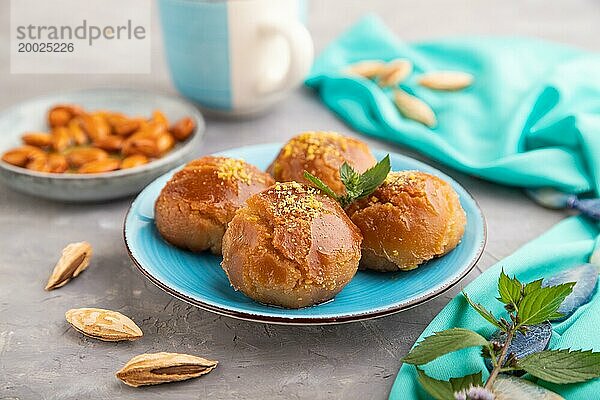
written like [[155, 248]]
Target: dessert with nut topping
[[321, 154], [411, 218], [195, 206], [291, 246]]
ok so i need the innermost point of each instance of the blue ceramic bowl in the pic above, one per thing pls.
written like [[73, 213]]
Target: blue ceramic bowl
[[199, 280]]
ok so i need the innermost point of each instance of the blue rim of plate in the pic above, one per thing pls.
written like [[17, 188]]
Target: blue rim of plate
[[271, 318]]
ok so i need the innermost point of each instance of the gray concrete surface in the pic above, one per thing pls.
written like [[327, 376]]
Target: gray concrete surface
[[42, 358]]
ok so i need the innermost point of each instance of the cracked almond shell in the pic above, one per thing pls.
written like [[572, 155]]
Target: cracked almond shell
[[74, 259], [156, 368]]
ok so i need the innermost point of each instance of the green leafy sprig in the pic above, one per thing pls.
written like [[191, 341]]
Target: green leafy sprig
[[526, 305], [357, 185]]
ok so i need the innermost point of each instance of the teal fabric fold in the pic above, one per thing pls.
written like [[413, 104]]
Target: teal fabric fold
[[566, 245], [531, 118]]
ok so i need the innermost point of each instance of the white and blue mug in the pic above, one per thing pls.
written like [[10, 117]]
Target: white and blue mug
[[236, 56]]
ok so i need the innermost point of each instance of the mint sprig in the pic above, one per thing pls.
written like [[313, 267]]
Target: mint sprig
[[444, 342], [357, 185], [526, 304], [510, 291], [438, 389], [444, 390], [487, 315], [562, 366], [542, 304]]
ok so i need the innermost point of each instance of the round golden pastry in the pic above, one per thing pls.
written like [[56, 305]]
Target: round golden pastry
[[291, 246], [321, 154], [195, 206], [411, 218]]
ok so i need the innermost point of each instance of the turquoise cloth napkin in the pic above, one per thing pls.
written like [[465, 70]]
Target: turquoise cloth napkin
[[531, 119], [566, 245]]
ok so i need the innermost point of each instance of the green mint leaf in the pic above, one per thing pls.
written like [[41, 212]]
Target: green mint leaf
[[345, 201], [374, 176], [509, 290], [562, 366], [350, 178], [531, 286], [484, 313], [319, 184], [441, 343], [466, 381], [439, 390], [361, 185], [542, 304]]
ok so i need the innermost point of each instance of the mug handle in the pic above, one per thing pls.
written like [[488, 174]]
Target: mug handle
[[301, 54]]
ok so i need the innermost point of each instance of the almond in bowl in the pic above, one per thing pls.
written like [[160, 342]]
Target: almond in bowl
[[83, 145], [94, 142]]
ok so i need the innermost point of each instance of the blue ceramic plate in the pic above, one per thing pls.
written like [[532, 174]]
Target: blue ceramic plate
[[198, 278]]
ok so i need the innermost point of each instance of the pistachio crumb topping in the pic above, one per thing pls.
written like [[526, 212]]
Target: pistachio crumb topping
[[296, 199], [399, 178], [314, 144], [233, 169]]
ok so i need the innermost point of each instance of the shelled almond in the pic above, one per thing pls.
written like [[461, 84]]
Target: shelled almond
[[134, 161], [61, 114], [414, 108], [20, 156], [183, 128], [98, 166], [446, 80], [81, 141], [368, 69], [110, 143], [389, 75], [38, 139], [395, 73]]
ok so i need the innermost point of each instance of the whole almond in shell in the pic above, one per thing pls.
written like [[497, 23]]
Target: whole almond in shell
[[106, 325], [156, 368], [74, 259]]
